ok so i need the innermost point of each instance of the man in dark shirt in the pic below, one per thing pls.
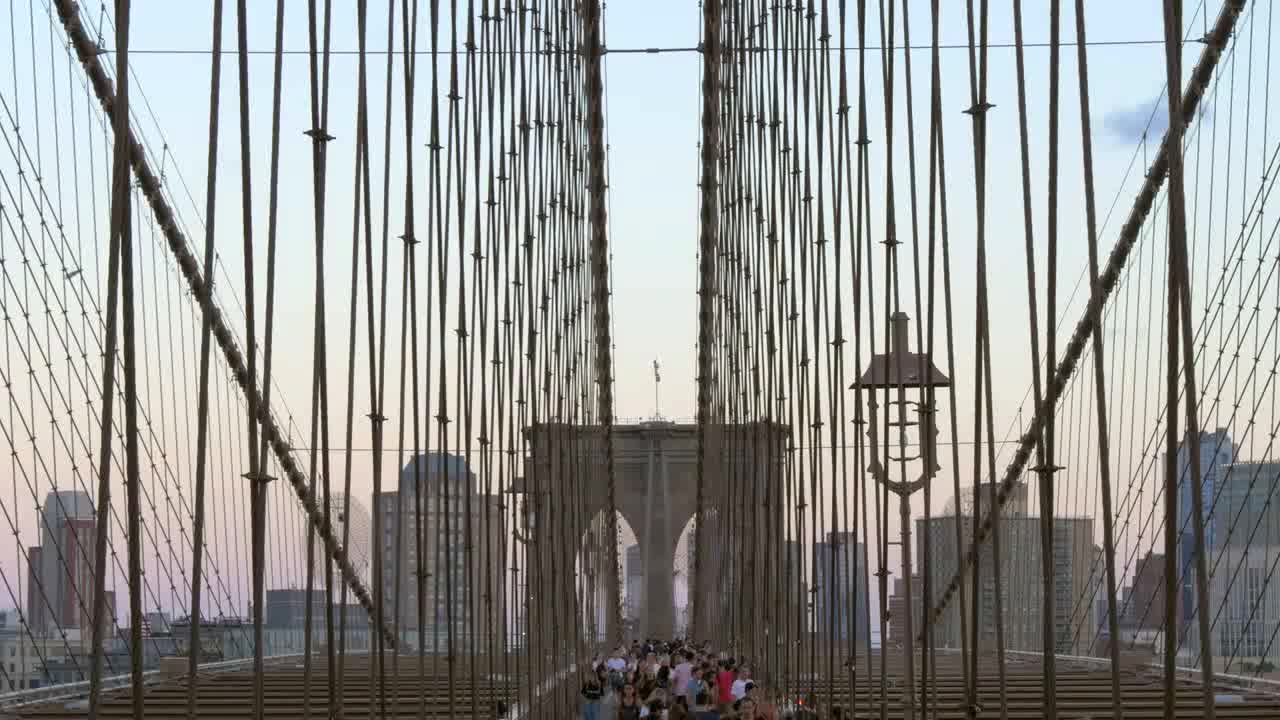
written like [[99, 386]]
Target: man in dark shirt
[[592, 692]]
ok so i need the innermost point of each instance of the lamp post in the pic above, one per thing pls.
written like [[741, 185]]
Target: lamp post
[[908, 379]]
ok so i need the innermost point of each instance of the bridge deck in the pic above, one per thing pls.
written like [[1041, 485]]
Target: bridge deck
[[228, 695], [1082, 693]]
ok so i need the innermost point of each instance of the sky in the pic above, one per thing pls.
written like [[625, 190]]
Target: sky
[[652, 107]]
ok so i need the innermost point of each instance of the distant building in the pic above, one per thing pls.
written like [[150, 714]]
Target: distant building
[[109, 622], [287, 610], [468, 593], [597, 558], [24, 657], [1097, 589], [1021, 600], [1246, 550], [635, 581], [220, 639], [1143, 607], [284, 620], [898, 610], [840, 588], [36, 614], [1214, 449], [1015, 504], [155, 623], [61, 570], [795, 568]]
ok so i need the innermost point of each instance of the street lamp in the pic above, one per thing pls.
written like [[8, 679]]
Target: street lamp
[[912, 378]]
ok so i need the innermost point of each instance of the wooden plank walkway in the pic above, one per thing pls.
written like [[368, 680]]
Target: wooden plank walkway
[[1083, 694], [229, 695]]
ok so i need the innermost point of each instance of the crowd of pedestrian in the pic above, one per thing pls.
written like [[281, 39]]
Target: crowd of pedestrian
[[676, 680]]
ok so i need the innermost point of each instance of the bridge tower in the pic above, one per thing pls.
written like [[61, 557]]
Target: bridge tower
[[656, 493]]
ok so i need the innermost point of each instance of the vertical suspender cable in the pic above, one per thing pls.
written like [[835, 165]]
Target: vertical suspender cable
[[983, 391], [1180, 314], [1048, 468], [707, 250], [362, 200], [257, 487], [272, 207], [1171, 589], [1028, 231], [1099, 375], [599, 254], [202, 412], [119, 220], [123, 197]]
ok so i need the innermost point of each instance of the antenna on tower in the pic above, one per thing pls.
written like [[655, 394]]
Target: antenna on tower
[[657, 383]]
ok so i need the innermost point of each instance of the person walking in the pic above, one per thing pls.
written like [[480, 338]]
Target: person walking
[[694, 686], [724, 684], [739, 688], [592, 694], [629, 708], [747, 710], [683, 674]]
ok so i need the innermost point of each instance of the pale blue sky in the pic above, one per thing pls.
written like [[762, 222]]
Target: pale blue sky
[[653, 131]]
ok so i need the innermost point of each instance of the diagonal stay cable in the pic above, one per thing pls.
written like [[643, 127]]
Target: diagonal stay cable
[[150, 184], [1214, 43]]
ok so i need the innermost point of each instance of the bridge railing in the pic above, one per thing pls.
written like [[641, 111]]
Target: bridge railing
[[75, 694]]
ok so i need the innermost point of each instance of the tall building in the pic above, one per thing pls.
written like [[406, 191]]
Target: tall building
[[23, 657], [287, 610], [635, 581], [35, 613], [468, 593], [1246, 550], [1098, 588], [1015, 505], [156, 623], [62, 599], [840, 588], [1215, 449], [898, 610], [1021, 590], [795, 568], [1143, 607]]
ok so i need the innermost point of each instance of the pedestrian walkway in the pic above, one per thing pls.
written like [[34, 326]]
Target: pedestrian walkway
[[673, 680]]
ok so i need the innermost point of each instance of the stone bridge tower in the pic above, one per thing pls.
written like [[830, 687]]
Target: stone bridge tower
[[655, 465]]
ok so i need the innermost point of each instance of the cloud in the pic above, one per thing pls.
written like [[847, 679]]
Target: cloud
[[1127, 125]]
